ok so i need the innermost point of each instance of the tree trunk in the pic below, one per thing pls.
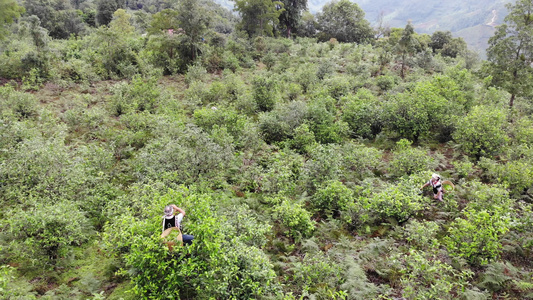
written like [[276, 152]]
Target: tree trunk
[[403, 63], [511, 101]]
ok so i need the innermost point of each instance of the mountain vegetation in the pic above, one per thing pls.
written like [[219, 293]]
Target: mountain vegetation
[[297, 145]]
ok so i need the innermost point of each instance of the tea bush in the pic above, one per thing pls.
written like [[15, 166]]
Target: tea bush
[[43, 233], [482, 133], [324, 163], [295, 220], [195, 72], [422, 234], [142, 94], [237, 125], [189, 156], [360, 161], [408, 160], [477, 237], [332, 197], [487, 197], [303, 140], [399, 201], [426, 277], [265, 92], [17, 104], [283, 173], [517, 175], [318, 274], [280, 124], [321, 117], [363, 114], [245, 226]]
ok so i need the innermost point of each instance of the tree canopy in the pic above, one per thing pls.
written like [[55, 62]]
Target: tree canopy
[[9, 11], [509, 55], [344, 21], [259, 17]]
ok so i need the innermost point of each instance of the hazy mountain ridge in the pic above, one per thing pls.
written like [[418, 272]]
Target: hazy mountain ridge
[[474, 21]]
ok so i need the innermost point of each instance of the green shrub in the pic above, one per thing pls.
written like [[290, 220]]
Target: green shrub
[[422, 234], [386, 82], [188, 155], [140, 95], [477, 237], [481, 133], [237, 125], [161, 53], [317, 273], [265, 92], [195, 72], [324, 164], [399, 202], [407, 160], [427, 110], [306, 77], [321, 117], [463, 168], [294, 219], [426, 277], [522, 131], [303, 140], [362, 112], [333, 196], [18, 104], [269, 60], [325, 68], [244, 224], [41, 168], [43, 233], [83, 120], [283, 173], [272, 129], [281, 123], [292, 91], [517, 174], [392, 203], [230, 61], [76, 70], [339, 86], [360, 161], [487, 197]]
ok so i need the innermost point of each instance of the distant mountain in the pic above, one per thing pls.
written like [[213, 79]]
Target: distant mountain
[[473, 20]]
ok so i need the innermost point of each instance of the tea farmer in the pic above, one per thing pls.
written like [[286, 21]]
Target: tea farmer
[[171, 221], [436, 184]]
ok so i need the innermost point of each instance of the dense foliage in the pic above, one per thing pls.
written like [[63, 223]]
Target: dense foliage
[[298, 161]]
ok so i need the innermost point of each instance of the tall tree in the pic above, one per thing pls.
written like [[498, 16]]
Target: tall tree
[[344, 21], [406, 46], [163, 21], [510, 52], [292, 12], [439, 39], [57, 16], [307, 25], [9, 11], [194, 20], [259, 17], [121, 22], [105, 10]]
